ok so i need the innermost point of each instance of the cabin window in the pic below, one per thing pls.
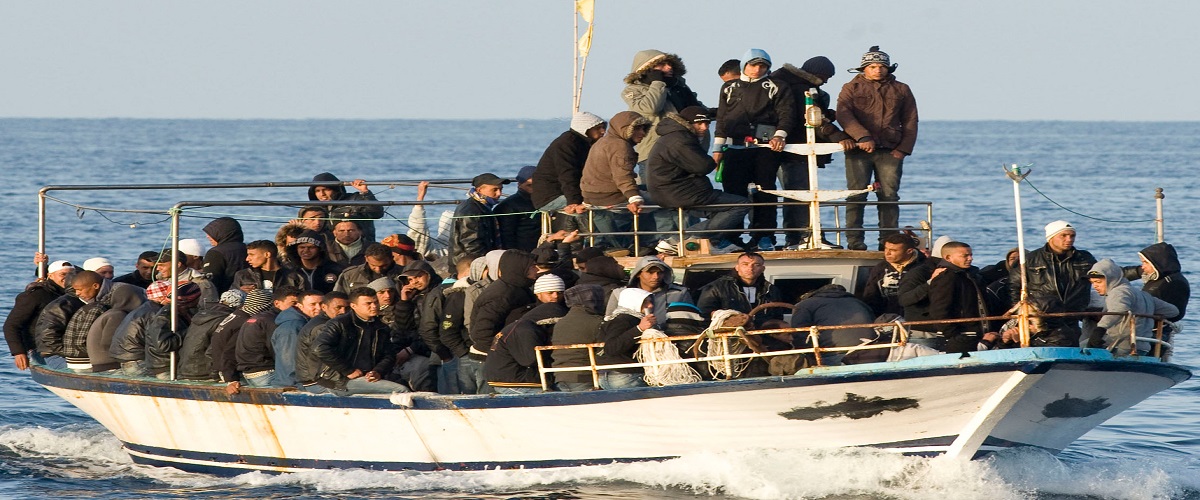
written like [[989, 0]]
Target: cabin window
[[790, 289]]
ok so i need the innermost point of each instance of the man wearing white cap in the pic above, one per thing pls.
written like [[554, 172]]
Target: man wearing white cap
[[194, 250], [511, 365], [1057, 272], [100, 265], [556, 177], [18, 326]]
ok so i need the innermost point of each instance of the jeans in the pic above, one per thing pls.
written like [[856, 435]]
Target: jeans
[[260, 379], [793, 175], [608, 221], [447, 377], [886, 169], [617, 380], [361, 386], [517, 390], [470, 376], [414, 373], [721, 218], [53, 362], [573, 386], [758, 166]]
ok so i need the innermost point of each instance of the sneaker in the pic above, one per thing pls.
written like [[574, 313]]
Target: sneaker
[[665, 246], [794, 248], [767, 244], [723, 247], [856, 245]]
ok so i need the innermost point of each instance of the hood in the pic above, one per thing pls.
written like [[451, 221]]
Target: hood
[[1163, 257], [631, 299], [641, 264], [797, 78], [513, 266], [126, 297], [606, 267], [645, 60], [589, 297], [621, 125], [333, 181], [422, 265], [477, 269], [673, 124], [830, 291], [224, 230], [753, 54], [492, 259], [1114, 276], [543, 312], [306, 237]]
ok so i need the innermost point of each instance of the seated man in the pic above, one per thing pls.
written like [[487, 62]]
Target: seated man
[[224, 338], [511, 366], [310, 261], [143, 273], [632, 316], [51, 324], [123, 300], [19, 324], [288, 324], [264, 271], [556, 179], [101, 266], [956, 294], [832, 305], [377, 263], [96, 293], [195, 359], [608, 177], [254, 351], [346, 246], [161, 337], [580, 325], [128, 345], [355, 349], [493, 307], [333, 304], [227, 255], [655, 277], [1113, 331], [678, 177], [742, 290], [882, 291]]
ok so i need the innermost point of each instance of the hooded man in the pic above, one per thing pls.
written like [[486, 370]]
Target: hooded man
[[656, 278], [793, 173], [1162, 277], [18, 325], [580, 325], [475, 230], [511, 366], [620, 332], [122, 301], [655, 87], [880, 114], [678, 177], [335, 191], [228, 253], [831, 305], [559, 170], [757, 107], [509, 292], [608, 177], [518, 230], [1113, 331]]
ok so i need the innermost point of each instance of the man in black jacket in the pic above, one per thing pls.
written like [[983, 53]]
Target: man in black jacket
[[556, 178], [492, 308], [742, 290], [18, 326], [228, 253], [264, 270], [355, 350], [956, 294], [678, 177], [335, 191], [143, 272], [882, 290], [519, 231], [475, 230], [254, 352], [333, 304], [1163, 279], [1057, 272]]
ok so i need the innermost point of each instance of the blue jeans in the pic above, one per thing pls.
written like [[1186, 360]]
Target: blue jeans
[[561, 221], [608, 221], [447, 377], [793, 175], [886, 170], [263, 379], [573, 386], [721, 218], [617, 380], [517, 390], [470, 376]]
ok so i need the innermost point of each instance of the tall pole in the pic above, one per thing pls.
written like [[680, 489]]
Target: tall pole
[[575, 60], [814, 206], [1023, 325], [1158, 216]]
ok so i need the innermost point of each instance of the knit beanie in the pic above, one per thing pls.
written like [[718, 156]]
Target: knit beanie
[[683, 319], [233, 298], [548, 283], [382, 284], [584, 121], [874, 55], [257, 301], [1056, 227], [942, 240], [820, 66]]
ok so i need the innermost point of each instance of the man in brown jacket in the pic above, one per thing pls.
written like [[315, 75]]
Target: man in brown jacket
[[608, 177], [879, 113]]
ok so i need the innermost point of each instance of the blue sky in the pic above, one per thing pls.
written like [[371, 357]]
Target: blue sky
[[1014, 60]]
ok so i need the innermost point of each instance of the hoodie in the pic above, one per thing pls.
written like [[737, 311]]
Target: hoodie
[[581, 325], [228, 257], [666, 293], [654, 95], [619, 332], [1121, 297], [608, 177], [361, 214], [1166, 282], [124, 299], [511, 291], [512, 361]]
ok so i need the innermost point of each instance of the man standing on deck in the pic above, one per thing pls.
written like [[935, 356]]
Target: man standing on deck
[[519, 231], [1057, 272], [475, 230], [880, 113]]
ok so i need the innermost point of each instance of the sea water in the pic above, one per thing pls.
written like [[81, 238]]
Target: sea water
[[1099, 176]]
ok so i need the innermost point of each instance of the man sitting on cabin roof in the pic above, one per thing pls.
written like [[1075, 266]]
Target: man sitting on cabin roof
[[335, 191], [657, 278], [678, 177], [742, 290], [556, 178]]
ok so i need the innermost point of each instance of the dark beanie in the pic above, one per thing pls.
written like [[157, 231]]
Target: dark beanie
[[820, 66], [683, 319]]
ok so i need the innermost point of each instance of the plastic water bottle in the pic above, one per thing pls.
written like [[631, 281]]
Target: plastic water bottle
[[752, 189]]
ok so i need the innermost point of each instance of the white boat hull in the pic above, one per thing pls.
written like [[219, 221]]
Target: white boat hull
[[938, 404]]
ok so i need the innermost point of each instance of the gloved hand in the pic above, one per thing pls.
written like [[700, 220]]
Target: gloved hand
[[1096, 339], [654, 75]]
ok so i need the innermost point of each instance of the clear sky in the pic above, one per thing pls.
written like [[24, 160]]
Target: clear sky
[[453, 59]]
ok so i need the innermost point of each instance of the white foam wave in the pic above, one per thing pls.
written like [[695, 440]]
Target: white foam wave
[[81, 441]]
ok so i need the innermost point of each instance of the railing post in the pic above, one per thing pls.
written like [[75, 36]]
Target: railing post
[[541, 369], [592, 362], [636, 240], [679, 251], [1158, 335], [1132, 333], [814, 335], [1158, 215], [591, 228]]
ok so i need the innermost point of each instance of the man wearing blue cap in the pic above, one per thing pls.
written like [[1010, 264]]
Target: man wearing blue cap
[[519, 231]]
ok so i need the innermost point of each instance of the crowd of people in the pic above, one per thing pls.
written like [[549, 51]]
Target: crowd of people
[[325, 307]]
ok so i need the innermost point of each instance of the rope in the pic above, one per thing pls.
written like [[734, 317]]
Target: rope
[[1059, 205], [716, 348], [668, 374]]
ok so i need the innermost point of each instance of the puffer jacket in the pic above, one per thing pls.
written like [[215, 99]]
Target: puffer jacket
[[608, 176], [21, 319], [508, 293], [361, 275], [129, 341], [161, 340], [512, 361], [1062, 278], [560, 169], [254, 351], [221, 262], [654, 96], [727, 292], [1167, 282], [884, 110], [336, 345], [678, 167], [195, 359], [580, 325], [361, 214], [451, 329], [51, 324], [832, 305]]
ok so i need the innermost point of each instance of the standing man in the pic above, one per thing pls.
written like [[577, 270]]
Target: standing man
[[475, 230], [755, 109], [1057, 273], [880, 113], [518, 230], [742, 290], [335, 191], [556, 179]]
